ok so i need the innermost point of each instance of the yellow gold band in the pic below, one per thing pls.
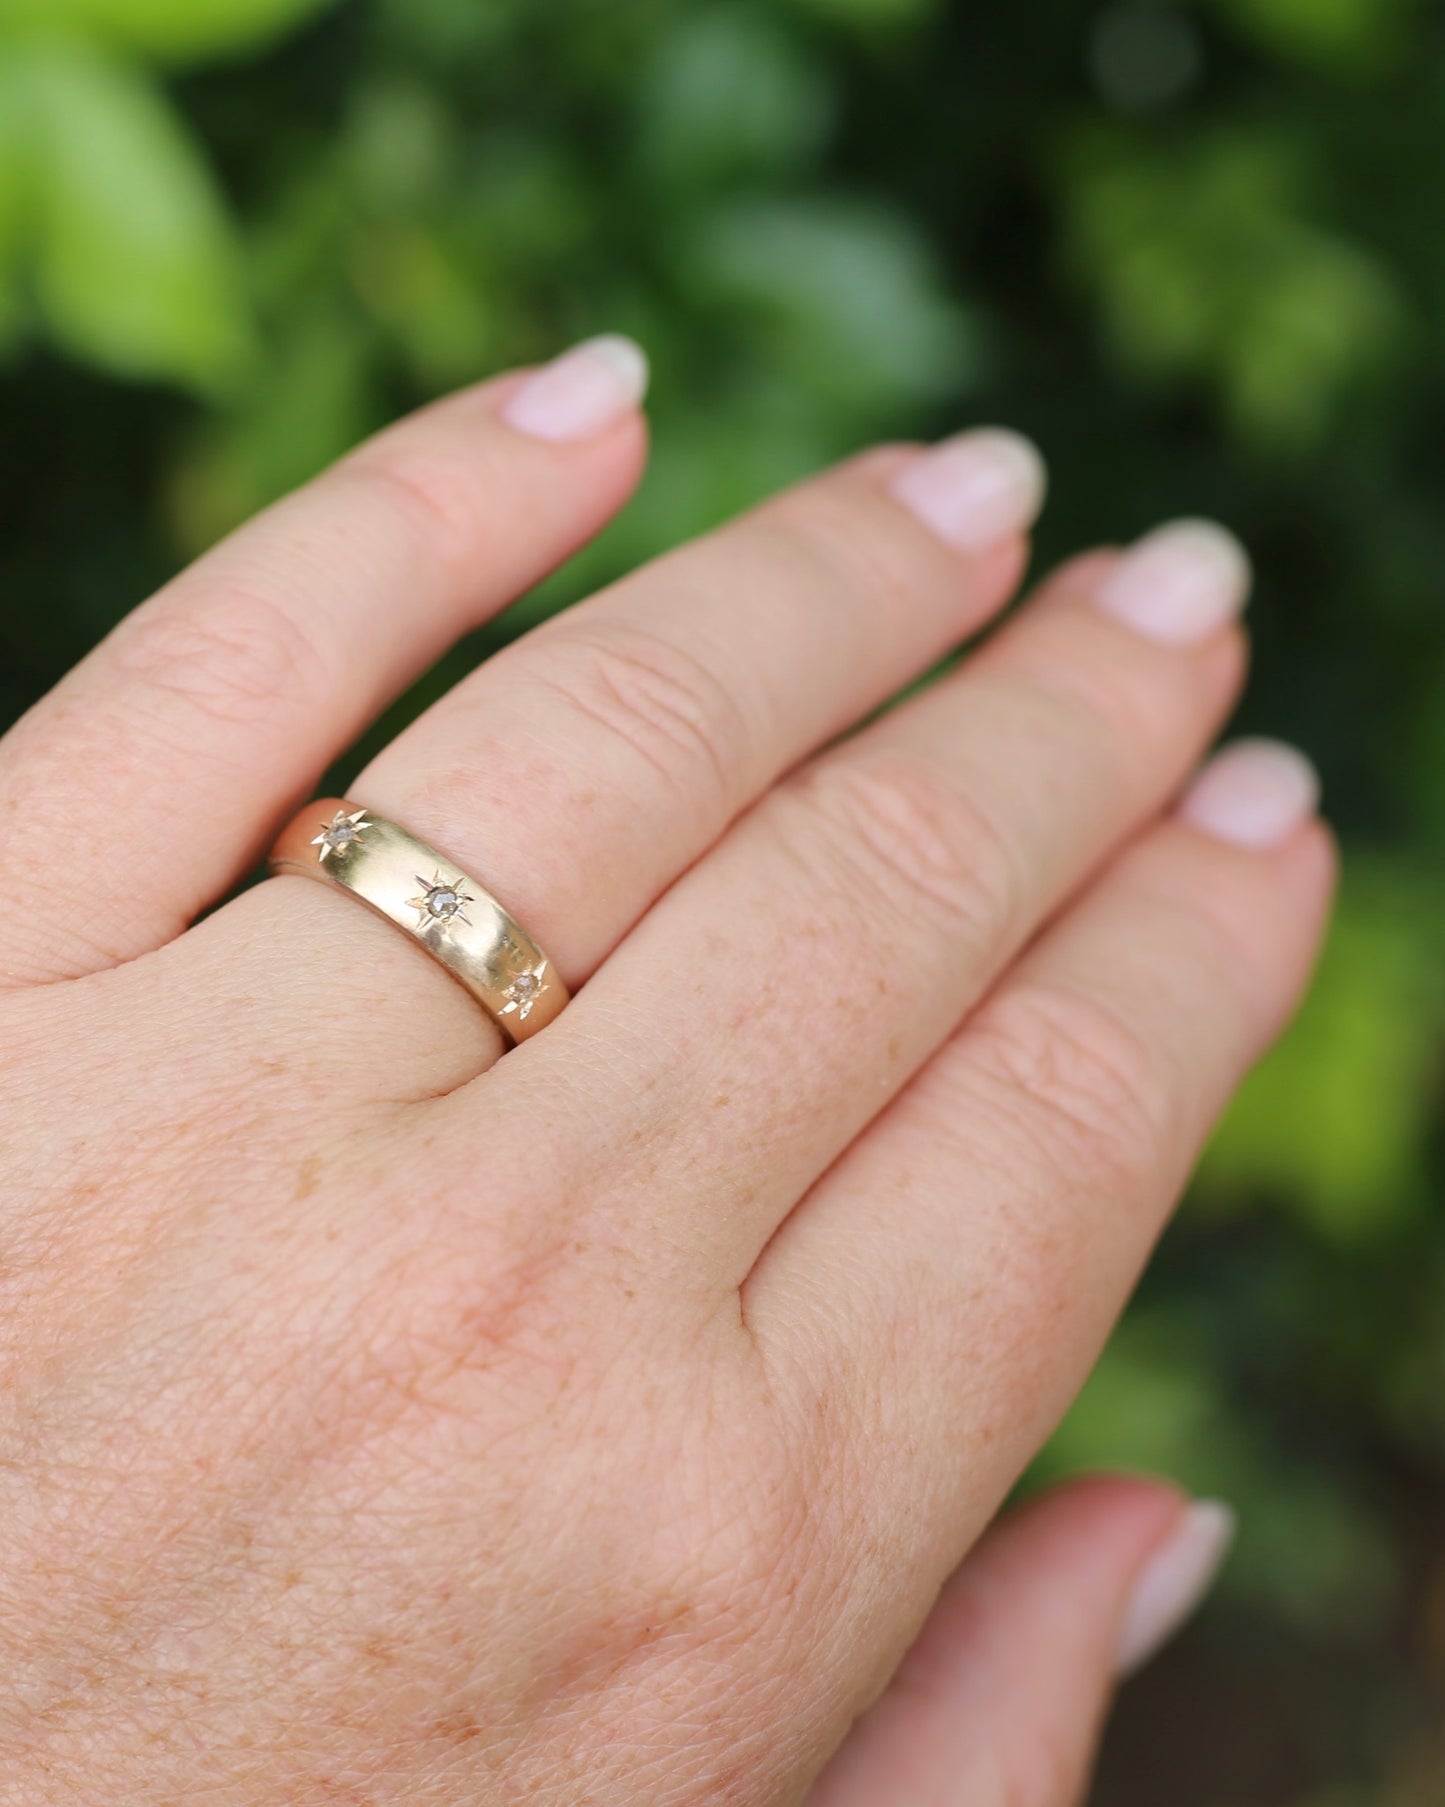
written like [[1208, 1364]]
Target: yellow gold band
[[432, 901]]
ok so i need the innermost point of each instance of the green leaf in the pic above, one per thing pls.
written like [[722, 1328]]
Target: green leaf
[[1335, 1123], [727, 95], [1156, 1404], [844, 296], [1209, 268], [304, 409], [1351, 38], [136, 265], [173, 30]]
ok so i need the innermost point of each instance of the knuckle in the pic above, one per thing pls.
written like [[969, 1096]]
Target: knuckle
[[843, 534], [435, 503], [1118, 706], [233, 655], [1080, 1071], [656, 699], [900, 832]]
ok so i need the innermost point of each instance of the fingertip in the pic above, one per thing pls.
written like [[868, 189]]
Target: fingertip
[[1317, 848], [1115, 1517], [1303, 873], [582, 395], [999, 570], [1174, 1582], [975, 489], [1139, 1553], [1256, 795], [1180, 584], [1021, 1652], [606, 461]]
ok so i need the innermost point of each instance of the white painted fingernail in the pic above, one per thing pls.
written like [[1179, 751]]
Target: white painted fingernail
[[583, 393], [977, 489], [1254, 794], [1173, 1583], [1179, 584]]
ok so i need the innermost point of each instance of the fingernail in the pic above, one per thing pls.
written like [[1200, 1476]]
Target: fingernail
[[582, 393], [1254, 794], [1174, 1582], [977, 489], [1179, 584]]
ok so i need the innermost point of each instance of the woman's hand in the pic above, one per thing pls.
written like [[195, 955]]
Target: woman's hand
[[384, 1420]]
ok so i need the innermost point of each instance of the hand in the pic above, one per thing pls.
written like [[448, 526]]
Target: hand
[[387, 1420]]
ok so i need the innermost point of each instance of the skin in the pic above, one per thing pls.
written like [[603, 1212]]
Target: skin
[[382, 1419]]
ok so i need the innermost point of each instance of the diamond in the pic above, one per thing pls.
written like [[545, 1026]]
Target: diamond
[[523, 992], [341, 832], [442, 901]]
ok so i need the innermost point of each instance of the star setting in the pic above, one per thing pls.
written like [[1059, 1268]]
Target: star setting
[[442, 901], [524, 992], [342, 832]]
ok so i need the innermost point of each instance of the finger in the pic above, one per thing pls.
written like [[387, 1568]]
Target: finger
[[1000, 1700], [577, 773], [647, 718], [151, 778], [840, 933], [967, 1257]]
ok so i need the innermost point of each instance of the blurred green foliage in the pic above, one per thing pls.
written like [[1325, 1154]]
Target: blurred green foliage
[[107, 203], [1193, 246]]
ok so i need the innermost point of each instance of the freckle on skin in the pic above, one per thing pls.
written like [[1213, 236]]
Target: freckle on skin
[[459, 1727], [721, 1103]]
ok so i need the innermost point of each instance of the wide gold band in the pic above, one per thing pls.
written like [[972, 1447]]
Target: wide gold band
[[433, 901]]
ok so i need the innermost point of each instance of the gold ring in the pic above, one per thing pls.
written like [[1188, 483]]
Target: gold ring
[[434, 902]]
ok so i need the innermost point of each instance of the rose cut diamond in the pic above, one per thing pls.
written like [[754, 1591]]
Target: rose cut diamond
[[442, 901], [341, 832]]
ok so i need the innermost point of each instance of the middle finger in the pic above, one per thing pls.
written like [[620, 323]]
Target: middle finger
[[786, 990]]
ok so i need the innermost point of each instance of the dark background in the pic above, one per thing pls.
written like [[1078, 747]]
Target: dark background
[[1197, 250]]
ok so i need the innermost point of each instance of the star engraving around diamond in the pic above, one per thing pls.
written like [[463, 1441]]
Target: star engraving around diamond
[[523, 993], [442, 901], [342, 832]]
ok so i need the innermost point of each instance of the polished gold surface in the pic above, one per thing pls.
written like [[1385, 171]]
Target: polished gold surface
[[433, 901]]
